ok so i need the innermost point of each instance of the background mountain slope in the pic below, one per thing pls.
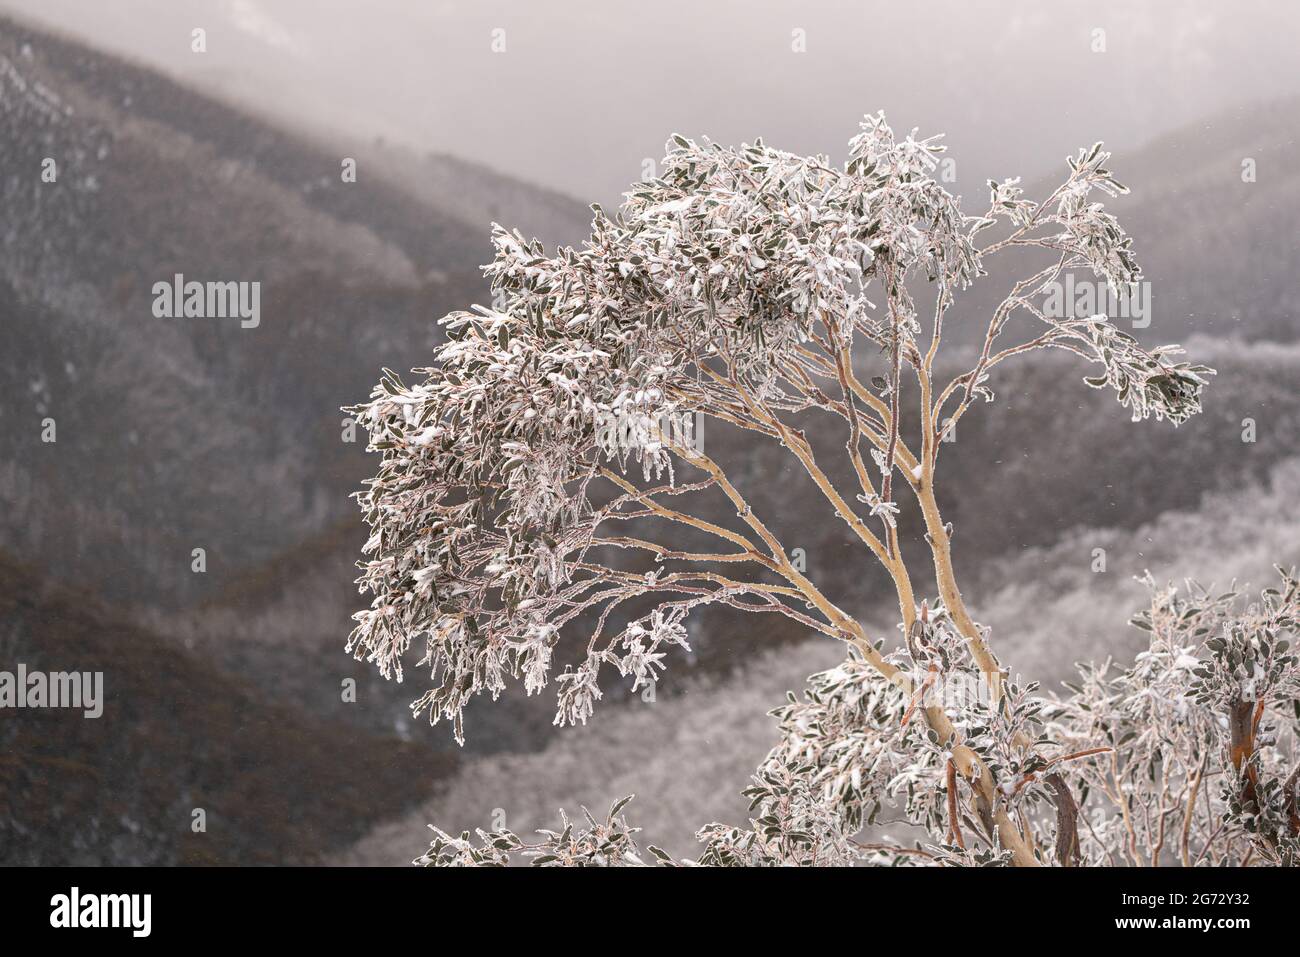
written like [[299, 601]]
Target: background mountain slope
[[198, 433], [275, 785], [176, 434]]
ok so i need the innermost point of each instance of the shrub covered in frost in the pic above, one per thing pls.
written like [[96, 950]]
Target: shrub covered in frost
[[762, 289]]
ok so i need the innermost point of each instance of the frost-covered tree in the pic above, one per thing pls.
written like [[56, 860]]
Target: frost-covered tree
[[549, 443]]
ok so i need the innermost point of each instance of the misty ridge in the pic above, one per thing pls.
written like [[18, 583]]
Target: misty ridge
[[188, 311]]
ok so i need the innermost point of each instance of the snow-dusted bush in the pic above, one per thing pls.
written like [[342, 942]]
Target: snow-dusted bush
[[749, 286], [1199, 734], [1186, 757]]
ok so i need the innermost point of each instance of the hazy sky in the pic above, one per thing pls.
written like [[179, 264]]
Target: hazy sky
[[586, 90]]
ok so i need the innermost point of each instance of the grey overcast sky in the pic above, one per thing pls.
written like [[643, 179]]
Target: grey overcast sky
[[586, 90]]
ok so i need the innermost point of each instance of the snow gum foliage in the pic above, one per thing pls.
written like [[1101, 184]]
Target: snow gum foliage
[[748, 285], [1137, 750], [1203, 727], [598, 844]]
